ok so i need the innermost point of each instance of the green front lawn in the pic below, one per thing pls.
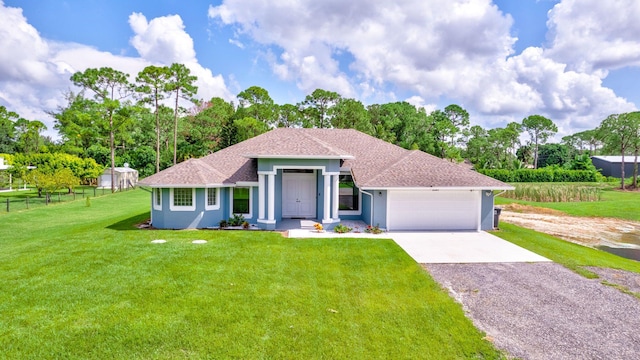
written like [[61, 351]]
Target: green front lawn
[[614, 204], [82, 282], [572, 256]]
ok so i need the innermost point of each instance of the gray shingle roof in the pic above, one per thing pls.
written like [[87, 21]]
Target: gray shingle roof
[[187, 173], [615, 159], [374, 163]]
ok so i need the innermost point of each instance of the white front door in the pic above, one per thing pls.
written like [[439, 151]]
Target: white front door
[[299, 195]]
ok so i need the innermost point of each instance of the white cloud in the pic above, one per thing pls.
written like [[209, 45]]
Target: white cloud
[[71, 58], [28, 79], [575, 100], [35, 72], [592, 34], [236, 43], [23, 51], [419, 102], [456, 49], [161, 40], [390, 43]]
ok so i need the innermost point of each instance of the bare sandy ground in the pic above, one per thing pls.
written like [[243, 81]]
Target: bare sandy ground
[[581, 230]]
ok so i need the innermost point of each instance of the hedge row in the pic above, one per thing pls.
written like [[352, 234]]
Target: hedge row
[[542, 175]]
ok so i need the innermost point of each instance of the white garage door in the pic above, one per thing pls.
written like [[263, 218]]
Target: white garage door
[[433, 210]]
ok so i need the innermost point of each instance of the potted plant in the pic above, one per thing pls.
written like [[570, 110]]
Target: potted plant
[[318, 227]]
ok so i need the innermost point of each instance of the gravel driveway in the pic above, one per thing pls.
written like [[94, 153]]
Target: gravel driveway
[[544, 311]]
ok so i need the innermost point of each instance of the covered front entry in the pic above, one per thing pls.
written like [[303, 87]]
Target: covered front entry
[[433, 210], [301, 189], [299, 194]]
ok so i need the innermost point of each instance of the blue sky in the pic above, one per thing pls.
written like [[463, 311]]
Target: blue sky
[[501, 60]]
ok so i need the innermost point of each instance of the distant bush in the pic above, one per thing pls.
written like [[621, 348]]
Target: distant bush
[[554, 192], [542, 175]]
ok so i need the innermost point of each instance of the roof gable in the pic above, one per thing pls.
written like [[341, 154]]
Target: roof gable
[[187, 173], [291, 143], [374, 163], [416, 169]]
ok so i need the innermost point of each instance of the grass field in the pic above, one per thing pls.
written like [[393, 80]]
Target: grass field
[[613, 203], [21, 199], [82, 282], [572, 256]]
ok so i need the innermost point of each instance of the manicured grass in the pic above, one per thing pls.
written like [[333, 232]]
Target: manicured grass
[[613, 203], [572, 256], [81, 282]]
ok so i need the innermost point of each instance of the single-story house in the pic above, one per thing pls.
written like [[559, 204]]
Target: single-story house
[[123, 177], [612, 165], [324, 174]]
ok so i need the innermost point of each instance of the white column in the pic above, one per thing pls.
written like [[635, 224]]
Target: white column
[[271, 179], [261, 198], [336, 197], [327, 198]]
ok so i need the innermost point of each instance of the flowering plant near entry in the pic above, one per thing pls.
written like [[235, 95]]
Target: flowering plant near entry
[[373, 229], [318, 226]]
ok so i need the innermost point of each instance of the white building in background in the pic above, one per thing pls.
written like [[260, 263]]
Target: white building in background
[[123, 177], [4, 167]]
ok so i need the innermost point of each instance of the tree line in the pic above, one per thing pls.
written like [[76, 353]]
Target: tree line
[[155, 121]]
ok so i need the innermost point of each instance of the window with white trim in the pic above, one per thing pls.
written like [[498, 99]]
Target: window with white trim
[[241, 201], [157, 199], [212, 200], [349, 195], [183, 199]]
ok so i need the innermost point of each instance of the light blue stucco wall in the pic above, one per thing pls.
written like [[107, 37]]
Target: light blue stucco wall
[[196, 219], [379, 208], [319, 196], [486, 211], [157, 218], [199, 218]]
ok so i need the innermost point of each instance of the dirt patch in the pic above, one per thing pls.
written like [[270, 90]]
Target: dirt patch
[[582, 230], [521, 208]]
